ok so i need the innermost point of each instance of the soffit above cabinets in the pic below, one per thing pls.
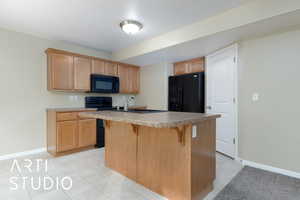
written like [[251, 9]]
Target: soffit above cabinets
[[205, 45]]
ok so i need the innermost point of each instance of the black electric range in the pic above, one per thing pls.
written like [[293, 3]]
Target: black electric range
[[100, 103]]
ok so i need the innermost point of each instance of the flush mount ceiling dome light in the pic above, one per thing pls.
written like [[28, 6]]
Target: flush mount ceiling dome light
[[131, 26]]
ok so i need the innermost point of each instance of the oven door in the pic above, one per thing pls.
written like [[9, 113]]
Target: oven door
[[104, 84]]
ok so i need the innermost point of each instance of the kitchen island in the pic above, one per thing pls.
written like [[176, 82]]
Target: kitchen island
[[171, 153]]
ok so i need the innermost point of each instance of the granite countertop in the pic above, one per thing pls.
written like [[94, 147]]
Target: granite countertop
[[157, 120], [70, 109]]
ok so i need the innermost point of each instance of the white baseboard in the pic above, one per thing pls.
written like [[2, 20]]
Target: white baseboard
[[271, 169], [20, 154]]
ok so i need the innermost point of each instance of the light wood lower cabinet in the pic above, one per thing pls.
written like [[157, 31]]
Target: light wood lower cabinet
[[86, 132], [66, 135], [66, 132]]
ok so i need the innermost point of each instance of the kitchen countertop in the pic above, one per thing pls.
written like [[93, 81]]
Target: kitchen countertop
[[157, 120], [70, 109], [64, 109], [137, 106]]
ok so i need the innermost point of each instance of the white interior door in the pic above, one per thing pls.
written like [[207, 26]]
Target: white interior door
[[221, 76]]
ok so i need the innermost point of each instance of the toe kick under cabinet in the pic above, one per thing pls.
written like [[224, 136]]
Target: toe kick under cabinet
[[67, 132]]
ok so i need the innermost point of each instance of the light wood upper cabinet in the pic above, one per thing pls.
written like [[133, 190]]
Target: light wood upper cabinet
[[129, 79], [189, 66], [181, 68], [104, 67], [87, 132], [66, 135], [82, 73], [60, 72], [134, 79], [98, 66], [123, 74], [71, 72], [111, 69], [196, 65]]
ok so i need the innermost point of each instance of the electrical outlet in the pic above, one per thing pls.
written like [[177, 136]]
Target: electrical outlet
[[194, 131]]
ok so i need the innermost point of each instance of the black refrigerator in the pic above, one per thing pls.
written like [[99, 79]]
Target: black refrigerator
[[187, 93]]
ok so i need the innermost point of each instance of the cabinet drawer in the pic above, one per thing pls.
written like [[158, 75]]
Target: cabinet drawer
[[82, 118], [66, 116]]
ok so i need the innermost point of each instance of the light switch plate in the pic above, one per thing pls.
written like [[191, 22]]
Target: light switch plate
[[255, 97], [194, 131]]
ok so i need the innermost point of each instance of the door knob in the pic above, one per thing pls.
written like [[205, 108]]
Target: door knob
[[208, 107]]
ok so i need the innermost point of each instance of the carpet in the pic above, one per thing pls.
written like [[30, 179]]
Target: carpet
[[256, 184]]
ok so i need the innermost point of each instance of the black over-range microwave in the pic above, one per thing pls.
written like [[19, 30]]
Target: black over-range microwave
[[104, 84]]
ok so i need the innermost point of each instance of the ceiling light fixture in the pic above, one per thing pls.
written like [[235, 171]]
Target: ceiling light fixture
[[131, 26]]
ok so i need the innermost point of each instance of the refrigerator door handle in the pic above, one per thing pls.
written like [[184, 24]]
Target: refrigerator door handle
[[180, 98]]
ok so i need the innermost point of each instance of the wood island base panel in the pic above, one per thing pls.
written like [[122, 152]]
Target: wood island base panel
[[168, 161], [178, 162]]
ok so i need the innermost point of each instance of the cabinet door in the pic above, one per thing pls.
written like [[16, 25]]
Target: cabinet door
[[181, 68], [134, 79], [82, 69], [196, 65], [123, 74], [61, 72], [98, 66], [111, 69], [87, 132], [66, 135]]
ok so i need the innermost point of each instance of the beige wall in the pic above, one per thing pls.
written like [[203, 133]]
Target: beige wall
[[269, 128], [154, 86], [24, 97]]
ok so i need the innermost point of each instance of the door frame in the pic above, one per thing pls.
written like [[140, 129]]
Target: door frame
[[234, 49]]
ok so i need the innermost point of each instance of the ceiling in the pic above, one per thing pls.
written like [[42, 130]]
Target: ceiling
[[204, 46], [95, 23]]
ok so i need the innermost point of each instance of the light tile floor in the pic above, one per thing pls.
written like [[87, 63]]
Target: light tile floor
[[91, 179]]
